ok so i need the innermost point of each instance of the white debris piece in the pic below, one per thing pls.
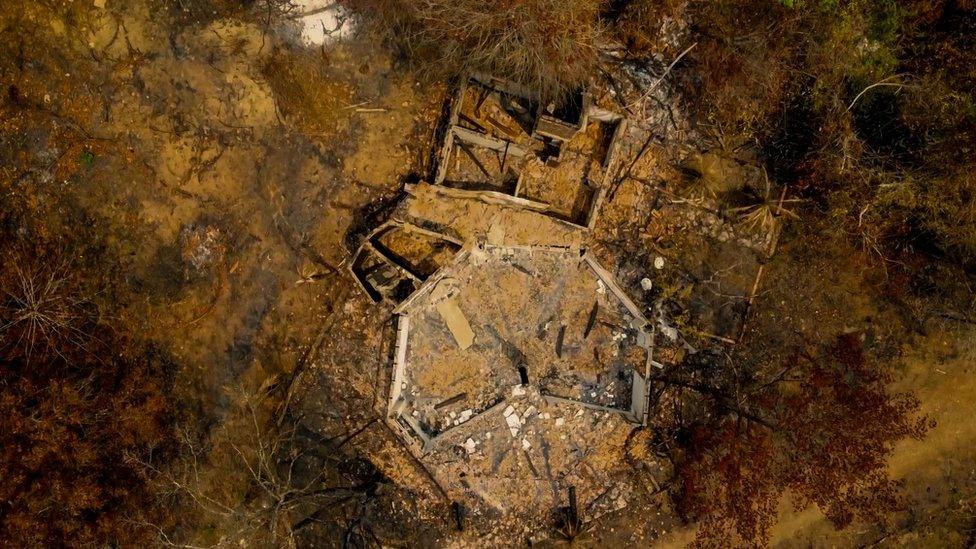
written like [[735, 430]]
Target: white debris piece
[[323, 21], [508, 411], [518, 390], [526, 444], [452, 415], [669, 331], [646, 283], [529, 411], [513, 424], [416, 413], [659, 263], [546, 415], [600, 287], [465, 415], [579, 412], [470, 445], [560, 421]]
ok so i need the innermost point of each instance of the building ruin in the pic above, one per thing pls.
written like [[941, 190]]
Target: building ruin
[[518, 360]]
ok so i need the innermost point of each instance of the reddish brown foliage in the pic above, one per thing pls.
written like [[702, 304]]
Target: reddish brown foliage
[[831, 429]]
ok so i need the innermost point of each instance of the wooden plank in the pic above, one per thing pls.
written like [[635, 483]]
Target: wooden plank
[[456, 322]]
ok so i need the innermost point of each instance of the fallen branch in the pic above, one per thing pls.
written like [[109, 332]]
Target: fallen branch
[[660, 79], [880, 83]]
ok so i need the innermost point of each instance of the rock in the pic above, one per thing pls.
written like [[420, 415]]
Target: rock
[[508, 411], [526, 444], [646, 284], [659, 263], [560, 421], [470, 445]]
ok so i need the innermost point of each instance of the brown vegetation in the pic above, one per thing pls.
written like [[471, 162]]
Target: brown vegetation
[[820, 428], [548, 45], [78, 396], [858, 106]]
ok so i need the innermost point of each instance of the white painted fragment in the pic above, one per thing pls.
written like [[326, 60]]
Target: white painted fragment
[[560, 421], [508, 411], [601, 288], [526, 444], [470, 445], [465, 416]]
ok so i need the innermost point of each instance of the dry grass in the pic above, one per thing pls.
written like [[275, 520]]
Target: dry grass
[[547, 45], [42, 308]]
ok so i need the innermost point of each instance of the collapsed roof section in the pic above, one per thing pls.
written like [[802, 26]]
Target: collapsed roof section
[[499, 322], [499, 140]]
